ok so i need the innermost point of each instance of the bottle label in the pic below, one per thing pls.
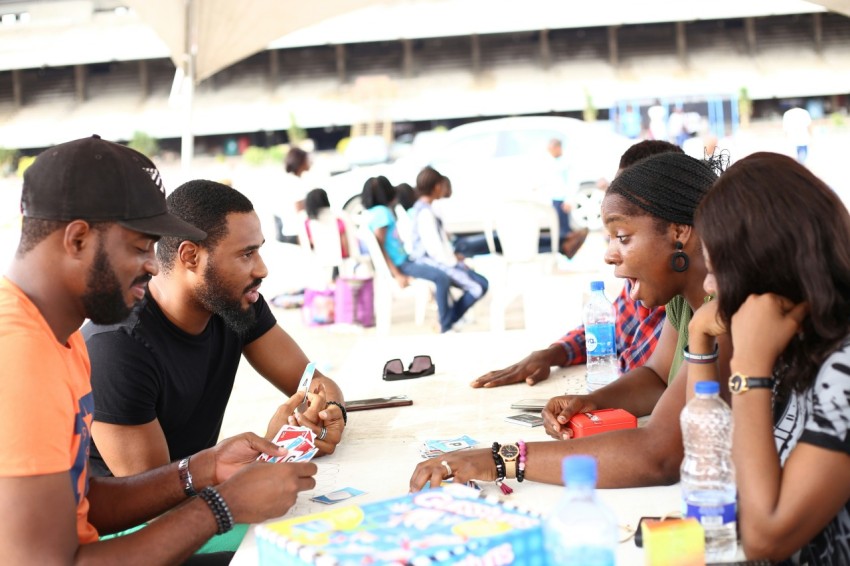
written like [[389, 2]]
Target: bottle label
[[599, 339], [711, 515]]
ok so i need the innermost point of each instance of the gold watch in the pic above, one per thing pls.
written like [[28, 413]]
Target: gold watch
[[509, 454], [740, 383]]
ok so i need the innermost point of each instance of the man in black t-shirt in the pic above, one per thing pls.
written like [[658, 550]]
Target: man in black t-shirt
[[162, 379]]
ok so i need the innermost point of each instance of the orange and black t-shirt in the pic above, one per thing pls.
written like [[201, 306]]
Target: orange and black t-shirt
[[46, 401]]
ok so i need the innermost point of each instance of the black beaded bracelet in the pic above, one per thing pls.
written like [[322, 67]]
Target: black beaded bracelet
[[501, 473], [341, 408], [219, 508]]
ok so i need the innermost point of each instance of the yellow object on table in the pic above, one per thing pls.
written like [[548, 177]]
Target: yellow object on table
[[674, 542]]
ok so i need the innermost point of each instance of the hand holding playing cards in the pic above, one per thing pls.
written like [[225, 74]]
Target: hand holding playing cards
[[263, 491], [559, 410], [231, 454], [465, 465], [318, 416]]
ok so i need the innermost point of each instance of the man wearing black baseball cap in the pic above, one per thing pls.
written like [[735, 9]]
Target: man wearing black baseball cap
[[92, 212]]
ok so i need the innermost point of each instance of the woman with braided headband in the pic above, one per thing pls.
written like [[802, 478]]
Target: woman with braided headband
[[648, 212]]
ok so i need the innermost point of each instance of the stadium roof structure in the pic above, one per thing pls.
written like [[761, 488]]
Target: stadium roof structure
[[226, 29]]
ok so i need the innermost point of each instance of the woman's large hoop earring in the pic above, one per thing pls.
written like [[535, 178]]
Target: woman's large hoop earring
[[680, 261]]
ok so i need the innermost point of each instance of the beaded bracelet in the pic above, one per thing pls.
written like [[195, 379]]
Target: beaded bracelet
[[219, 508], [520, 472], [701, 358], [341, 408], [500, 464]]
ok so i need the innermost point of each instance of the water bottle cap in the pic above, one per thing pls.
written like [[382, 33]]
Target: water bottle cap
[[597, 285], [707, 388], [578, 470]]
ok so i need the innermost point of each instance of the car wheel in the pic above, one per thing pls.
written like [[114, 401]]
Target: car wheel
[[587, 207], [353, 207]]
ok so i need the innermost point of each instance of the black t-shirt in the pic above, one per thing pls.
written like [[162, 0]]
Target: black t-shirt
[[146, 368]]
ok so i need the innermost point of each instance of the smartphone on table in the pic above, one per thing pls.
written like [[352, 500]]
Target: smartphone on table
[[378, 403]]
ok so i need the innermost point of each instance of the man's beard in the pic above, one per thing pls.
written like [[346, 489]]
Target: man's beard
[[213, 296], [103, 300]]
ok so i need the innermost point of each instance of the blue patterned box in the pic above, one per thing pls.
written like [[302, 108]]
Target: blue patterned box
[[449, 525]]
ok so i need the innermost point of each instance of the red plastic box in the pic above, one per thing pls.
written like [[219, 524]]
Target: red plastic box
[[594, 422]]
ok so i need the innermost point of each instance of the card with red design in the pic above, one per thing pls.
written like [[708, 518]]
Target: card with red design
[[299, 441]]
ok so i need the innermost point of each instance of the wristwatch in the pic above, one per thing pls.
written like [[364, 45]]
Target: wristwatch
[[509, 454], [740, 383]]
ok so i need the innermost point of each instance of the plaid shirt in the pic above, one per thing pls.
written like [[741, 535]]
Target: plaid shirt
[[637, 330]]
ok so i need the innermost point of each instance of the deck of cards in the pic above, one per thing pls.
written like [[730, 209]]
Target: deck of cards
[[432, 448], [299, 441]]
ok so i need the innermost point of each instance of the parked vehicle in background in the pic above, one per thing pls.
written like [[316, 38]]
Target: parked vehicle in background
[[366, 150], [493, 161]]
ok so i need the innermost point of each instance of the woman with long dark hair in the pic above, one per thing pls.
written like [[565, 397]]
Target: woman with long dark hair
[[777, 245]]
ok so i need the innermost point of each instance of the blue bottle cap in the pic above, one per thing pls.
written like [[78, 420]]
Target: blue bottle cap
[[578, 470], [597, 285], [707, 388]]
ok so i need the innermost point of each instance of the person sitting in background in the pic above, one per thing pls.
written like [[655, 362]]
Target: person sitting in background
[[430, 246], [317, 204], [648, 212], [785, 297], [290, 198], [637, 327], [378, 196], [405, 195], [162, 378], [569, 240]]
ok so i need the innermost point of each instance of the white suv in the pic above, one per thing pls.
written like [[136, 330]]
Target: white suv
[[492, 161]]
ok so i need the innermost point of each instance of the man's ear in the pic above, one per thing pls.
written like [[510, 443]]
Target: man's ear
[[188, 254], [78, 237]]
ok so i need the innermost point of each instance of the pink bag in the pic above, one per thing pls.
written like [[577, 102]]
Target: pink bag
[[318, 306], [354, 301]]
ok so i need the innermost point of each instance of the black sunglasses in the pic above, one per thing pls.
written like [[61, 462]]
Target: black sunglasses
[[421, 365]]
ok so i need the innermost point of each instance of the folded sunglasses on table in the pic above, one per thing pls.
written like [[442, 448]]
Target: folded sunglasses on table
[[421, 365]]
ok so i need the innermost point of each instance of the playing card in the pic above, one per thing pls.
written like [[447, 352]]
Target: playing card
[[304, 385], [299, 441], [435, 447], [338, 495]]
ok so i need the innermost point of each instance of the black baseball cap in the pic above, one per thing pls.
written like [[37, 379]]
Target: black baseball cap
[[100, 181]]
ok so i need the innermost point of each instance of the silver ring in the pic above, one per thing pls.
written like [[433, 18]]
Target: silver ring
[[322, 433], [448, 468]]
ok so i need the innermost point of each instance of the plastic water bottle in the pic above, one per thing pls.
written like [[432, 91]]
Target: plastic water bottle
[[708, 474], [599, 317], [580, 530]]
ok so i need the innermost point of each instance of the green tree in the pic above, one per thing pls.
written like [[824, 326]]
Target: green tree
[[590, 112], [295, 133], [144, 143], [745, 107]]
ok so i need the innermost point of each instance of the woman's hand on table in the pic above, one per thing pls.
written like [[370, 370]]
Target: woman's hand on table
[[464, 465], [532, 369], [559, 410]]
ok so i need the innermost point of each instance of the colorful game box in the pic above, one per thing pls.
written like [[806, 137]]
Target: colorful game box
[[449, 525]]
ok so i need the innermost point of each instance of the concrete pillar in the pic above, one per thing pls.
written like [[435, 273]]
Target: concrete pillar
[[613, 47], [681, 44], [817, 23], [274, 67], [750, 29], [476, 54], [407, 60], [144, 79], [80, 75], [545, 49], [18, 87], [340, 63]]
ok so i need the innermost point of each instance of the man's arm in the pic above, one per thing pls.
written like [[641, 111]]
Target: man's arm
[[35, 505], [131, 449], [279, 359]]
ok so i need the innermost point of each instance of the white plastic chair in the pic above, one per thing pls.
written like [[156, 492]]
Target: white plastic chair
[[387, 289], [326, 248], [518, 225], [405, 227]]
